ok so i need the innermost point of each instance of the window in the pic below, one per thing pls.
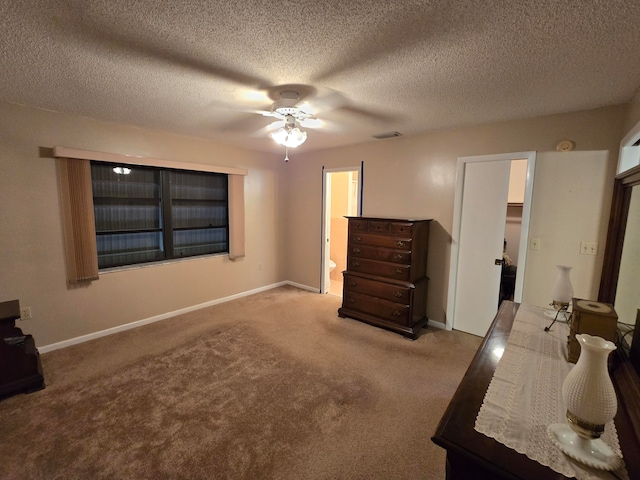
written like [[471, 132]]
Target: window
[[153, 214]]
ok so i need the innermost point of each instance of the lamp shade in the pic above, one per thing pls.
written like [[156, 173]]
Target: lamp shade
[[562, 291], [280, 135], [289, 136]]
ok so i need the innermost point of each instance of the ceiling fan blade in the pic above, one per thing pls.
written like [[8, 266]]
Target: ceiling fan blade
[[371, 114], [266, 130], [416, 23], [329, 100], [218, 105], [87, 29], [316, 123]]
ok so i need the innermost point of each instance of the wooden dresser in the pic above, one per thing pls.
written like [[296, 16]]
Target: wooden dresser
[[471, 454], [385, 283]]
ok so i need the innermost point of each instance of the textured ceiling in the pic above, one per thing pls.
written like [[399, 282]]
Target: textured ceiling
[[201, 67]]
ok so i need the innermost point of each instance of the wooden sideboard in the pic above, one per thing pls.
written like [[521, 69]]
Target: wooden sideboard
[[20, 367], [385, 283], [471, 454]]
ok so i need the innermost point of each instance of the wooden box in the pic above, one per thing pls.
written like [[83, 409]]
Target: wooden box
[[593, 318]]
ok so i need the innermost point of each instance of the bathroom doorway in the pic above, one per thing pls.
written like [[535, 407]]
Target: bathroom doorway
[[342, 189]]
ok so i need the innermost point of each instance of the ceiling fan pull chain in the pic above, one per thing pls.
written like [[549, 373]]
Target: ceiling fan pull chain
[[286, 154]]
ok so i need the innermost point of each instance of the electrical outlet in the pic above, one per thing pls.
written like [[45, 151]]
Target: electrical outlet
[[588, 248], [25, 313], [535, 244]]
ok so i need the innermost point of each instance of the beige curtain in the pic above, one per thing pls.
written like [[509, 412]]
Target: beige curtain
[[78, 220], [236, 216]]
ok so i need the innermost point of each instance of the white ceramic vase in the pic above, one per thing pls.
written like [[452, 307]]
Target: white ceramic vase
[[591, 402], [562, 292], [587, 390]]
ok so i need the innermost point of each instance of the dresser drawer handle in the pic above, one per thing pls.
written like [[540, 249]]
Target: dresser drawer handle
[[351, 300], [397, 313], [401, 243], [398, 294], [356, 264], [359, 239], [399, 272], [398, 256], [356, 250], [352, 284]]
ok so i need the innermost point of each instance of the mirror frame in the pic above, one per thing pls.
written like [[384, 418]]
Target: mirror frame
[[623, 184]]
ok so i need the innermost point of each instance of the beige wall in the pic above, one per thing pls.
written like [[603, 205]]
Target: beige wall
[[31, 251], [415, 177], [405, 177], [517, 181], [571, 202]]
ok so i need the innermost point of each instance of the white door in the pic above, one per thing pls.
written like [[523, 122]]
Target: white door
[[484, 213], [482, 188]]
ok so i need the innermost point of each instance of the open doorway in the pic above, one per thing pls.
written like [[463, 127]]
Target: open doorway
[[341, 199], [513, 229], [478, 236]]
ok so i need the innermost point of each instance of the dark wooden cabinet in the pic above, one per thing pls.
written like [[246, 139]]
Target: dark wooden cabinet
[[385, 283], [20, 367], [471, 454]]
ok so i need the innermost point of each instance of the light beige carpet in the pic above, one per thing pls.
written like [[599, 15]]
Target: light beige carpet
[[271, 386]]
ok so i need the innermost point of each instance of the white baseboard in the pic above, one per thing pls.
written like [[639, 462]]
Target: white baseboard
[[439, 325], [157, 318], [302, 287]]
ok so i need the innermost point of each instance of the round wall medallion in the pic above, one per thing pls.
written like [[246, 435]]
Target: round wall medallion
[[566, 146]]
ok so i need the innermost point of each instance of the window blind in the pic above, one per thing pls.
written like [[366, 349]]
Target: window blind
[[78, 220], [236, 216], [80, 233]]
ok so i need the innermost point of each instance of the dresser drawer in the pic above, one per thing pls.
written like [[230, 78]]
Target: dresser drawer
[[382, 269], [401, 228], [381, 254], [379, 226], [387, 291], [390, 311], [357, 225], [379, 240]]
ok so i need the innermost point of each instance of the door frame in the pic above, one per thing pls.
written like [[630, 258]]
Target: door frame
[[326, 213], [457, 216]]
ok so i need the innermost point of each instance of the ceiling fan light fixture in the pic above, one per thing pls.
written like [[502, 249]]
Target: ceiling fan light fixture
[[296, 137], [289, 136], [280, 135]]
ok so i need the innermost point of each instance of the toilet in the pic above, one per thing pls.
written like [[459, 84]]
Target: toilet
[[327, 282]]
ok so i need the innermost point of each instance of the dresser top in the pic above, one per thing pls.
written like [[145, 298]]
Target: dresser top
[[9, 310]]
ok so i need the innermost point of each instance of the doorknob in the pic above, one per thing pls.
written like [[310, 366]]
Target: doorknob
[[498, 261]]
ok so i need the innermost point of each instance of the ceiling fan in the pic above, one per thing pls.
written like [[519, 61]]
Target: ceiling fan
[[286, 130], [291, 114]]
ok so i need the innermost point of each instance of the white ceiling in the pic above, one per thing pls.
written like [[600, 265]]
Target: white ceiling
[[200, 67]]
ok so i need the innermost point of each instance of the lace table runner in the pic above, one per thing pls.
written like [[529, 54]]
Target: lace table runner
[[524, 396]]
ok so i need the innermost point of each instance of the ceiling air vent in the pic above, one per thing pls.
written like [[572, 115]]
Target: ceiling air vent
[[380, 136]]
